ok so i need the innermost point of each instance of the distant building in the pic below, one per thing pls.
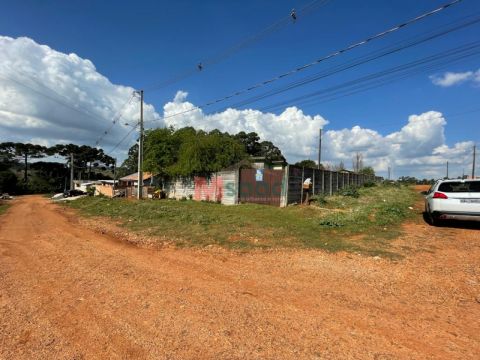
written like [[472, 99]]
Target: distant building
[[260, 162], [132, 180]]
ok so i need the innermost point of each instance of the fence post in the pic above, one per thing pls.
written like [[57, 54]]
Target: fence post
[[313, 186], [301, 191], [330, 181], [323, 181]]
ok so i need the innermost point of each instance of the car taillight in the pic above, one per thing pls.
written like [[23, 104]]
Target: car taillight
[[439, 195]]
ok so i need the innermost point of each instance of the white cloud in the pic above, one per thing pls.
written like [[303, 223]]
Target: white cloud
[[40, 89], [29, 111], [418, 148], [292, 130], [454, 78]]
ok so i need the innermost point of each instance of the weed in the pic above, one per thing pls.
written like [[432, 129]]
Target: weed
[[350, 191], [375, 214]]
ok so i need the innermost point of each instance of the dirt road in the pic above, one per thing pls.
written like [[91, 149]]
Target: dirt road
[[67, 292]]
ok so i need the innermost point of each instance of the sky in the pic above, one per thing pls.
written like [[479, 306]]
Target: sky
[[68, 70]]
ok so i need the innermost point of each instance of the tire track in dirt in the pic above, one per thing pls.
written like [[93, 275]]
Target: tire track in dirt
[[69, 292]]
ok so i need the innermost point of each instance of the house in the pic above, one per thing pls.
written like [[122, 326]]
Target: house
[[129, 184], [261, 162], [83, 185], [107, 188], [132, 180]]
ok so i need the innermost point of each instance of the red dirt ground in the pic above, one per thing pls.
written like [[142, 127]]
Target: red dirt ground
[[68, 292]]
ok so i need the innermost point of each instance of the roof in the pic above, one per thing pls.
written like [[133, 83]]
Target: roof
[[134, 176]]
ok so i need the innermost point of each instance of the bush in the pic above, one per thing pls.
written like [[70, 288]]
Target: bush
[[319, 199], [369, 184], [8, 182], [350, 191]]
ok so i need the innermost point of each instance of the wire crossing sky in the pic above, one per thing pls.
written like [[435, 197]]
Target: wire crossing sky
[[387, 91]]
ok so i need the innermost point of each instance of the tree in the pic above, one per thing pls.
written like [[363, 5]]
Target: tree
[[161, 148], [250, 141], [187, 152], [207, 153], [340, 166], [24, 151], [85, 157], [307, 164], [270, 151], [7, 156], [8, 182], [367, 170], [130, 164], [357, 162], [255, 148]]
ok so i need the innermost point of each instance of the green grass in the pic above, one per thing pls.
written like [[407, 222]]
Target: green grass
[[365, 224], [3, 207]]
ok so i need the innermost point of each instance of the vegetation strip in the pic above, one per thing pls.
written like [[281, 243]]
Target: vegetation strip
[[359, 220]]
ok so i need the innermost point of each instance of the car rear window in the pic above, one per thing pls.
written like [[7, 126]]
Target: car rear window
[[467, 186]]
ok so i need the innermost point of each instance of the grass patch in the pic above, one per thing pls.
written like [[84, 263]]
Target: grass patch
[[364, 223], [3, 207]]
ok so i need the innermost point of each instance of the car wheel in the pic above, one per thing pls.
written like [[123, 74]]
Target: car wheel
[[432, 219]]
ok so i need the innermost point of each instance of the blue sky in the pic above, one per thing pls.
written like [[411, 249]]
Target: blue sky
[[142, 43]]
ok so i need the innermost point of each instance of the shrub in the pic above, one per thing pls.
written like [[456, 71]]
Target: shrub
[[350, 191], [369, 184], [319, 199]]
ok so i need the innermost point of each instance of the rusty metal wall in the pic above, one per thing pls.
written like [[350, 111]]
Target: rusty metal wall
[[261, 186]]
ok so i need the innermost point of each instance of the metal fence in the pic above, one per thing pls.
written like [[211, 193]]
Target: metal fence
[[323, 182]]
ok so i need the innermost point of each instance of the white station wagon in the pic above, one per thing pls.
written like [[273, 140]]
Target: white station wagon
[[453, 199]]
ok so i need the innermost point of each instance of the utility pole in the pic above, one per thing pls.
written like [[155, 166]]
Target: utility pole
[[389, 169], [447, 169], [473, 164], [140, 151], [319, 148], [114, 175], [71, 171]]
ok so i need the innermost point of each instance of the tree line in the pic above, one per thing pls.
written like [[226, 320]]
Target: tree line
[[168, 153], [187, 152], [19, 175]]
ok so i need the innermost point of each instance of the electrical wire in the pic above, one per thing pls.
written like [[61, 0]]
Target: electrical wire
[[322, 59], [79, 109], [122, 140], [228, 52], [360, 61], [431, 62], [115, 120]]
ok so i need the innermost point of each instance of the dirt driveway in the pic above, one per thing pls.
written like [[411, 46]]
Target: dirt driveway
[[67, 292]]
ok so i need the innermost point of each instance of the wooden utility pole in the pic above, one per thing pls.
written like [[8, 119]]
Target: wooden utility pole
[[473, 164], [319, 148], [389, 169], [71, 171], [140, 151]]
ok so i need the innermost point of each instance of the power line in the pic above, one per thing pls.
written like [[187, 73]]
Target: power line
[[360, 61], [322, 59], [382, 77], [77, 109], [123, 139], [248, 41], [115, 120]]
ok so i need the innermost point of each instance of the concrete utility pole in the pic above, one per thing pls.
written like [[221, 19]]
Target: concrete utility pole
[[473, 164], [114, 175], [71, 171], [447, 169], [319, 148], [140, 151], [389, 172]]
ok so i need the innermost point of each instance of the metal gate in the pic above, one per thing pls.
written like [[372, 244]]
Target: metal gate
[[261, 186]]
